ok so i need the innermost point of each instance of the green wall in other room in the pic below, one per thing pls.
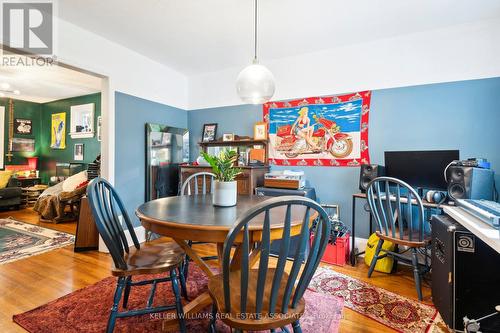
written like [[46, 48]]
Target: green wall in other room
[[25, 110], [91, 148]]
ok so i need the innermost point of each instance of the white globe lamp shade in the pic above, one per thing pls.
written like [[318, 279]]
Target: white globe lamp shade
[[255, 84]]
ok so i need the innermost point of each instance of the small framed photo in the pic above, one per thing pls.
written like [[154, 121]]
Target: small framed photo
[[209, 132], [78, 153], [23, 126], [260, 131], [228, 137]]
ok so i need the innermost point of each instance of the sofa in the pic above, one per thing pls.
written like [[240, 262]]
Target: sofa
[[10, 196]]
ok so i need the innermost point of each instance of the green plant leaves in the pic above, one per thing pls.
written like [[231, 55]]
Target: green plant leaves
[[223, 165]]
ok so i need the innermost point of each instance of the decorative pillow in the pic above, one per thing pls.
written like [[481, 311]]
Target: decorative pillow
[[4, 178], [72, 182], [85, 183]]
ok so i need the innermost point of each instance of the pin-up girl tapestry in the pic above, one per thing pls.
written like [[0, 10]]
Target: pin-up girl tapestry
[[329, 131]]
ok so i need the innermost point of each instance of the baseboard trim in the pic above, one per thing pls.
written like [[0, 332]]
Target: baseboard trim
[[140, 232], [360, 244]]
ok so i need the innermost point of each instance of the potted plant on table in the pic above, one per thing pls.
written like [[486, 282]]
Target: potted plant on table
[[225, 190]]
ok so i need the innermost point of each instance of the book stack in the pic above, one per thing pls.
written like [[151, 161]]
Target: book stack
[[93, 170]]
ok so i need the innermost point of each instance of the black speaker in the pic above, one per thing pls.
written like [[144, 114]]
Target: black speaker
[[465, 275], [470, 183], [367, 173]]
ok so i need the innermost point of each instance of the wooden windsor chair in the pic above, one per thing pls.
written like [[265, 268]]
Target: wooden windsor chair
[[391, 203], [106, 208], [267, 298]]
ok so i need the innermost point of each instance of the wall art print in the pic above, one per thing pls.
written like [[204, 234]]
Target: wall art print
[[23, 145], [58, 131], [319, 131], [23, 126]]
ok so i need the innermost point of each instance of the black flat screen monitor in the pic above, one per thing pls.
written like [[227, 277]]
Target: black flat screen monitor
[[420, 169]]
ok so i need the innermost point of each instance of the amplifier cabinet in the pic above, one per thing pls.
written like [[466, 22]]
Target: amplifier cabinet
[[465, 275]]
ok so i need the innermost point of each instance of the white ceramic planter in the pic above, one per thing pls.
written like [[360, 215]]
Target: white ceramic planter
[[225, 194]]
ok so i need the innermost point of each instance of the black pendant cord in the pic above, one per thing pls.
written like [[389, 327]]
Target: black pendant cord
[[255, 36]]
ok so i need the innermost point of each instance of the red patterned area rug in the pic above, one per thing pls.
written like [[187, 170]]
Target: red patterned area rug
[[395, 311], [87, 310]]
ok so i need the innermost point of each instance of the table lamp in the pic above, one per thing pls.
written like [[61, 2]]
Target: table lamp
[[32, 162]]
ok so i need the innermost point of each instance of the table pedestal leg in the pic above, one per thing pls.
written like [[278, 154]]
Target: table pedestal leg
[[195, 257], [191, 308]]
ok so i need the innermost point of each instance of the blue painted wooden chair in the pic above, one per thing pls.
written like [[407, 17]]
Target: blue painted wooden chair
[[200, 183], [397, 223], [106, 209], [267, 298]]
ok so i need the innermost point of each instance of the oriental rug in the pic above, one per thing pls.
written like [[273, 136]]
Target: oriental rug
[[19, 240], [87, 310], [392, 310]]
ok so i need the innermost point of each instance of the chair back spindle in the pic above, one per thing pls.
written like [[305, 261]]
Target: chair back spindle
[[285, 291], [107, 207], [386, 197], [192, 184]]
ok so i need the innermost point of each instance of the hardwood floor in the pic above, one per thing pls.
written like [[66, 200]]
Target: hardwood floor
[[29, 283], [29, 216]]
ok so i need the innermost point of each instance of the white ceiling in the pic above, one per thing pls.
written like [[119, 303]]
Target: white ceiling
[[43, 84], [196, 36]]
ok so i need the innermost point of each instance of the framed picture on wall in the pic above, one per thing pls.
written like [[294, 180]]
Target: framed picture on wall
[[82, 121], [78, 153], [23, 145], [209, 132], [23, 126], [58, 131], [260, 131]]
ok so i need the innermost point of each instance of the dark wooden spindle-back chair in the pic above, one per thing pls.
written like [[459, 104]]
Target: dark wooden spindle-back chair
[[391, 204], [107, 208], [267, 297]]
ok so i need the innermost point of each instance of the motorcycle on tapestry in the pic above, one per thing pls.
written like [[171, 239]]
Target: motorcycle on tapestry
[[327, 138]]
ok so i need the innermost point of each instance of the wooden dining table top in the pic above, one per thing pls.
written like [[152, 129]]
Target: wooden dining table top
[[198, 212], [195, 218]]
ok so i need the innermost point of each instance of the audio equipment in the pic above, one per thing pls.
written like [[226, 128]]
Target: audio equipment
[[437, 197], [473, 162], [465, 275], [367, 173], [470, 183]]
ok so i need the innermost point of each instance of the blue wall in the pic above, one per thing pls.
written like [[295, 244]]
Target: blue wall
[[131, 115], [460, 115]]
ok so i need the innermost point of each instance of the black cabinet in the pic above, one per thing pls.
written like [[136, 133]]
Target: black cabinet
[[465, 275]]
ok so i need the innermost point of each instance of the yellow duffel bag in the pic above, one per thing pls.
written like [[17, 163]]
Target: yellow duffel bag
[[383, 265]]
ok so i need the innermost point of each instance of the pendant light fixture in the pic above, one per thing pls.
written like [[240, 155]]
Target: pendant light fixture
[[255, 83]]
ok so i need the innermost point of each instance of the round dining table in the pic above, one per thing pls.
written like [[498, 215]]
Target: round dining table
[[195, 218]]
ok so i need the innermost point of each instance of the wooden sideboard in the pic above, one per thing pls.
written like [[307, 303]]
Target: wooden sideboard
[[250, 178]]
